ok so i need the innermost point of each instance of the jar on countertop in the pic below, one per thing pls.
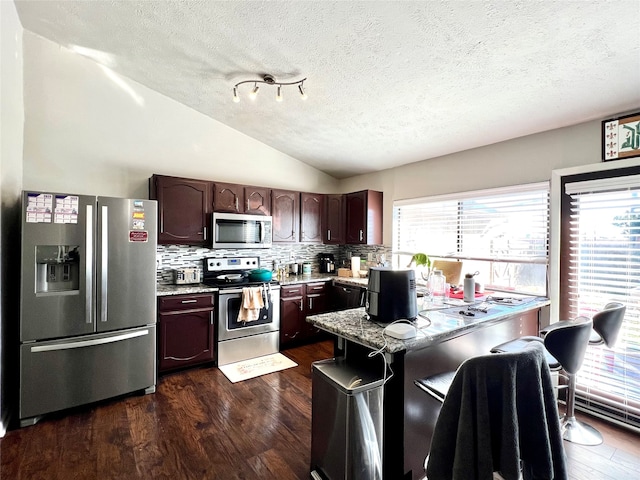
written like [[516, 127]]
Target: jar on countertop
[[437, 286]]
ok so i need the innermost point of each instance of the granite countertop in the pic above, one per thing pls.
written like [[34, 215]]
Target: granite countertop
[[307, 278], [351, 281], [169, 289], [164, 289], [434, 326], [325, 277]]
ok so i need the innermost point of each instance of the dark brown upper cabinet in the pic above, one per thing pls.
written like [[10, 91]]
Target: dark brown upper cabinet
[[257, 200], [285, 209], [311, 208], [233, 198], [228, 197], [183, 209], [334, 219], [364, 217]]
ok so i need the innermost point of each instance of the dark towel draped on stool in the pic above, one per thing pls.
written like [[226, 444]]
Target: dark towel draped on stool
[[499, 415]]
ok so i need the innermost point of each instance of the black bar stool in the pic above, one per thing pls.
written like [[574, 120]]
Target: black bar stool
[[607, 324], [567, 342]]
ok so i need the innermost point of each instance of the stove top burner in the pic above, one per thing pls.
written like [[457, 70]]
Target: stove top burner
[[230, 278]]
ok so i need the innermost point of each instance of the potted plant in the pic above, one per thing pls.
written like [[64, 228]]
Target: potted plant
[[420, 259]]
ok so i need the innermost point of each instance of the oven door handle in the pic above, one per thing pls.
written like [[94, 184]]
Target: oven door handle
[[235, 291]]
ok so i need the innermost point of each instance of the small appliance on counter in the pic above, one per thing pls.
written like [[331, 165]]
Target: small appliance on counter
[[391, 295], [327, 263], [186, 275]]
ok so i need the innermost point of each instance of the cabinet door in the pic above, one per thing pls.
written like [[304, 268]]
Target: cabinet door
[[356, 217], [364, 217], [257, 200], [285, 206], [183, 209], [316, 303], [334, 221], [291, 320], [311, 217], [186, 338], [228, 197]]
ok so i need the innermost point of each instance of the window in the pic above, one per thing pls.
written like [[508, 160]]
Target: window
[[501, 233], [601, 223]]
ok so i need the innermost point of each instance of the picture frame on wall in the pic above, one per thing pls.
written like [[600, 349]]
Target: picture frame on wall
[[621, 137]]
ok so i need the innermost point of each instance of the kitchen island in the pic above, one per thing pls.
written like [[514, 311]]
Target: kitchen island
[[445, 338]]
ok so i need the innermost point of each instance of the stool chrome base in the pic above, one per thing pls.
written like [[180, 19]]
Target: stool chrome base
[[578, 432]]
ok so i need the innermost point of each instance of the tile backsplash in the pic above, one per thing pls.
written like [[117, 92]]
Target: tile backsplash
[[169, 257]]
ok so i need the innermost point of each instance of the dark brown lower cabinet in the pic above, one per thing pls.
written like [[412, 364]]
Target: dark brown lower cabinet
[[187, 331], [296, 302], [344, 297]]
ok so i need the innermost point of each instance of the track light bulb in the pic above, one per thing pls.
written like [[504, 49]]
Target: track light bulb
[[279, 95], [236, 98], [254, 92], [302, 92]]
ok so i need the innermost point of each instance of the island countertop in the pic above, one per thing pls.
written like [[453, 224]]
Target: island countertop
[[433, 326]]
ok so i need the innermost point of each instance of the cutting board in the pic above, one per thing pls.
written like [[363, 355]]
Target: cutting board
[[450, 269]]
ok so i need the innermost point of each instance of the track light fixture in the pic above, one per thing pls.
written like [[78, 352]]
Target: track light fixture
[[269, 80]]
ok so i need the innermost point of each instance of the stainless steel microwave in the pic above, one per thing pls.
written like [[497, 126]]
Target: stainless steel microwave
[[236, 230]]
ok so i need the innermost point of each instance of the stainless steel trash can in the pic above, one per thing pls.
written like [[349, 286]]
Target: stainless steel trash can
[[346, 421]]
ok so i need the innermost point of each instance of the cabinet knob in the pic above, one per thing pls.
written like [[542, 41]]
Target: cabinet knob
[[361, 236]]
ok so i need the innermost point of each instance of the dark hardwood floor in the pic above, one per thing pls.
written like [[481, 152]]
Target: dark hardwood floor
[[200, 426]]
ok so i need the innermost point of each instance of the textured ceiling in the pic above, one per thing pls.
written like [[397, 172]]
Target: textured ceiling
[[389, 82]]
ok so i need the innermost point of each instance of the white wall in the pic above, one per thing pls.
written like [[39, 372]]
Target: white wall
[[11, 122], [522, 160], [89, 131]]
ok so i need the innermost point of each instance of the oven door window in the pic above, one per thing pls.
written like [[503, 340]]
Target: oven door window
[[233, 309]]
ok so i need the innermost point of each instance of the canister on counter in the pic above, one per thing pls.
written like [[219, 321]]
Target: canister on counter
[[469, 294]]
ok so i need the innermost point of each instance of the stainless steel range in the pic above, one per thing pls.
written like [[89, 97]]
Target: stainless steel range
[[241, 339]]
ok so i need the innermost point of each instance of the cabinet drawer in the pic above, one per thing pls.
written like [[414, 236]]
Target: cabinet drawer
[[320, 287], [185, 302], [291, 291]]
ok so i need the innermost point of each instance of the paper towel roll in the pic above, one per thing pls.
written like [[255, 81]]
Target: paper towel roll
[[355, 267]]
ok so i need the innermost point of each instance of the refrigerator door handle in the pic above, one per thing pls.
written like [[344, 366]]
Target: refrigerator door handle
[[88, 343], [88, 297], [104, 260]]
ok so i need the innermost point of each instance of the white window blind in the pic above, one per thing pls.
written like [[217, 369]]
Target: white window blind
[[604, 266], [503, 233]]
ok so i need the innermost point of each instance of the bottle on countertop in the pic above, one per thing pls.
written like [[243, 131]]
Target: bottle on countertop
[[469, 288]]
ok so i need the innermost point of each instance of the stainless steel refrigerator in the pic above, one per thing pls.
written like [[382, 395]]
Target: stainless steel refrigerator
[[87, 301]]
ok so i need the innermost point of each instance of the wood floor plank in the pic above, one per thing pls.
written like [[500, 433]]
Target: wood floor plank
[[200, 426], [112, 442]]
